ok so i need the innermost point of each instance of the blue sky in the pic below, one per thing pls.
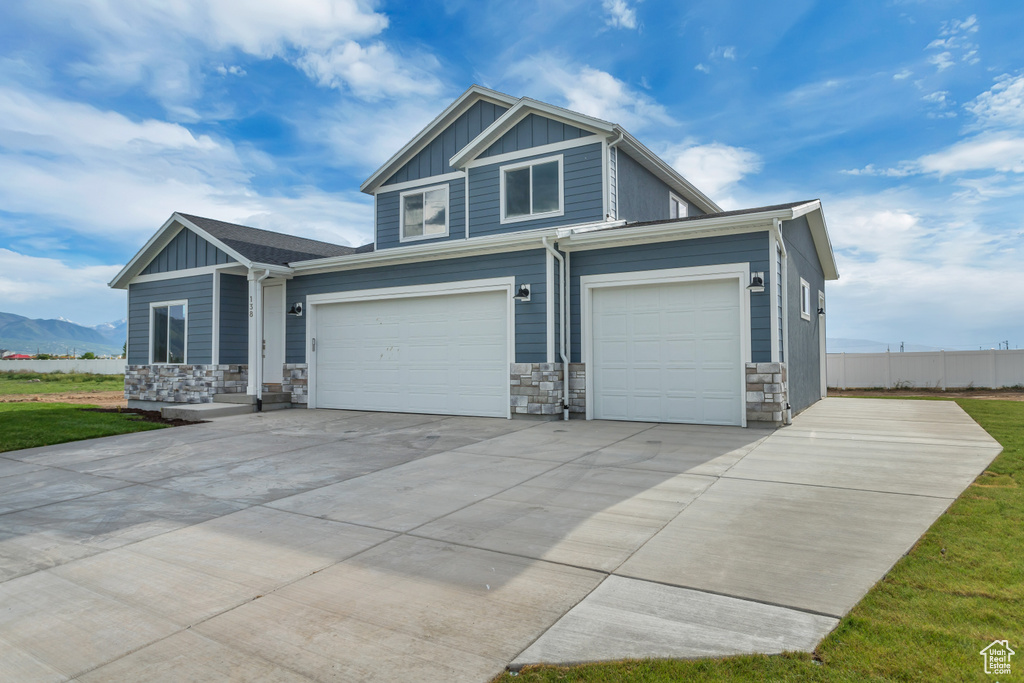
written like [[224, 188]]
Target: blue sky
[[905, 117]]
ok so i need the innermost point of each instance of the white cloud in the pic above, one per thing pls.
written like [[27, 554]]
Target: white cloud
[[714, 168], [619, 14], [703, 68], [1002, 106], [724, 52], [99, 174], [587, 90], [371, 72], [989, 151], [955, 44], [162, 44], [902, 75], [47, 288]]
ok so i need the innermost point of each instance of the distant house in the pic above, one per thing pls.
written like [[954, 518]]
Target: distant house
[[16, 356], [526, 260]]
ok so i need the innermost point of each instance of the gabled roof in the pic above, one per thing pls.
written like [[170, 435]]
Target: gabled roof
[[443, 120], [249, 247], [264, 246]]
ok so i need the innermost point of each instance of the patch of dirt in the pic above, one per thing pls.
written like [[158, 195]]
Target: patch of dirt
[[145, 415], [990, 394], [105, 399]]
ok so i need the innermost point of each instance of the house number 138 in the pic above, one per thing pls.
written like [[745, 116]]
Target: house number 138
[[252, 307]]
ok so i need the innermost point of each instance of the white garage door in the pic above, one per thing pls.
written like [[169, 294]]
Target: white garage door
[[444, 355], [668, 353]]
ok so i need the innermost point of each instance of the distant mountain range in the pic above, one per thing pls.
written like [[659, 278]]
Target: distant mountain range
[[31, 336]]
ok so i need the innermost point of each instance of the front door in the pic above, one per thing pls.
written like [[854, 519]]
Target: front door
[[273, 333]]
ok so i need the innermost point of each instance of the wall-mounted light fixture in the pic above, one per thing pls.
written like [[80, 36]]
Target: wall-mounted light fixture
[[756, 282], [296, 310], [523, 293], [821, 311]]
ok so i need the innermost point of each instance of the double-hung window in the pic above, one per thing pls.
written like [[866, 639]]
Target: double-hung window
[[531, 189], [424, 213], [168, 323], [677, 208]]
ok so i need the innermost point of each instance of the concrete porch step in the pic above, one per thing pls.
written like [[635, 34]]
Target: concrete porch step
[[268, 398], [196, 412]]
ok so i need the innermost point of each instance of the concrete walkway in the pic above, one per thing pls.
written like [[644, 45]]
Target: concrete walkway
[[343, 546]]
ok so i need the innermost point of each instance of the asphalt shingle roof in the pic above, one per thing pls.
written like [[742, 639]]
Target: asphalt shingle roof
[[265, 246]]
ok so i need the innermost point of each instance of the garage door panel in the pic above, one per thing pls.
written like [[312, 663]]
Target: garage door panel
[[445, 354], [667, 352]]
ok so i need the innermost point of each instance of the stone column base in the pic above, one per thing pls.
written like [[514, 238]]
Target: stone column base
[[767, 394]]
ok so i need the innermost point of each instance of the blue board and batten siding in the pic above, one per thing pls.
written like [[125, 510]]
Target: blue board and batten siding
[[234, 319], [432, 160], [804, 352], [186, 250], [642, 196], [388, 207], [533, 131], [751, 248], [583, 188], [197, 290], [528, 267]]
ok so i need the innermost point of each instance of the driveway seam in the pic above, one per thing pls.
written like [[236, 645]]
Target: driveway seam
[[837, 488]]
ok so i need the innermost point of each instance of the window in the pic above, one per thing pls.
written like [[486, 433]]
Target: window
[[805, 299], [424, 213], [531, 190], [167, 326], [677, 208]]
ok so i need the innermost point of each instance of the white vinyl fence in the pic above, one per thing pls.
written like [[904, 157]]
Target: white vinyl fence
[[99, 366], [934, 369]]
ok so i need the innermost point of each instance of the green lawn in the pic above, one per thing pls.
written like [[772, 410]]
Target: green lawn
[[960, 588], [27, 425], [57, 382]]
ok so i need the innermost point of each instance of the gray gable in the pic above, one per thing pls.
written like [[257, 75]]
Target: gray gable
[[534, 131], [433, 159], [264, 246], [186, 250]]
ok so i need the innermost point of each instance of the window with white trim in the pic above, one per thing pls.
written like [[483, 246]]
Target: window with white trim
[[531, 189], [805, 299], [168, 327], [424, 213], [677, 208]]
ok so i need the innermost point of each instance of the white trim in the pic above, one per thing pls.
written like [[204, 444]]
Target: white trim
[[188, 272], [685, 205], [805, 287], [162, 304], [254, 353], [726, 271], [775, 290], [534, 151], [504, 284], [822, 351], [451, 113], [502, 170], [605, 198], [465, 196], [401, 213], [215, 330], [412, 184], [567, 322], [549, 319], [375, 222]]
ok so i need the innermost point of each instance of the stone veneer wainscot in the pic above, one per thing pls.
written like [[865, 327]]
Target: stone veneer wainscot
[[296, 382], [183, 383]]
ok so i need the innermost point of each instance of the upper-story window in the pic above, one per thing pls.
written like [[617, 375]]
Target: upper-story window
[[424, 213], [677, 208], [531, 189]]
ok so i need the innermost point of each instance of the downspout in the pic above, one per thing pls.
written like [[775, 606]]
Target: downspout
[[259, 339], [777, 232], [563, 275]]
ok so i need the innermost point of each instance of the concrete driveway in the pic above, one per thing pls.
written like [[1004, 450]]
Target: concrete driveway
[[349, 546]]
